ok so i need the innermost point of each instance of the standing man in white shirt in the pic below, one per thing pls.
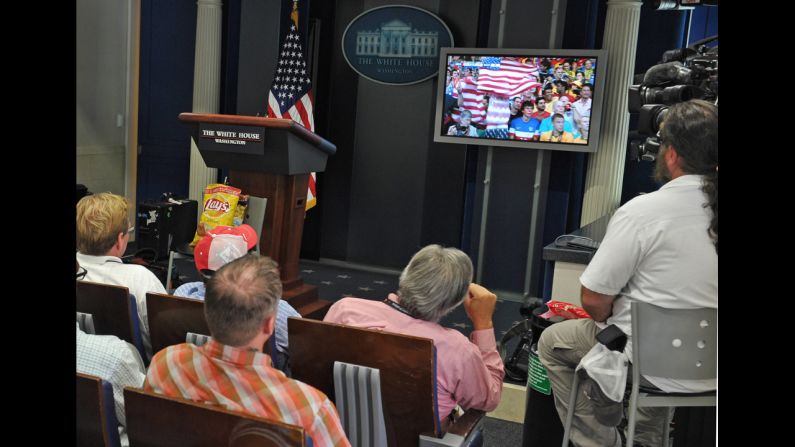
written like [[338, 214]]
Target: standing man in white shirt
[[103, 231], [581, 109], [660, 248]]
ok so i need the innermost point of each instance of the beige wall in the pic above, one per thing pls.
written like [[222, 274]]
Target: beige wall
[[101, 94]]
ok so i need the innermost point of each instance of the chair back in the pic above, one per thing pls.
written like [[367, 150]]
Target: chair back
[[359, 404], [171, 318], [197, 339], [111, 308], [674, 343], [255, 215], [95, 414], [154, 420], [407, 371]]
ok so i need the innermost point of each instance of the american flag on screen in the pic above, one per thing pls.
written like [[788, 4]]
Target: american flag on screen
[[290, 95], [506, 76], [472, 101]]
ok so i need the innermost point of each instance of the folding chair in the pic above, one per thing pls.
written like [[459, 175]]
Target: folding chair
[[676, 344], [672, 343]]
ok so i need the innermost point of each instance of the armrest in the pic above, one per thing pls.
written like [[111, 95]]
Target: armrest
[[464, 425], [457, 433]]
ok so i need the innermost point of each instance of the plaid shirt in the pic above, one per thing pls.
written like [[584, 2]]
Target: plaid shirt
[[113, 360], [243, 380]]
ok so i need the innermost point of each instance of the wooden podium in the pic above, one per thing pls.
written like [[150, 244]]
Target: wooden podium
[[270, 158]]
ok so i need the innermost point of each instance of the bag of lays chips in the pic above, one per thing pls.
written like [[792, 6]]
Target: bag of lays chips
[[220, 202]]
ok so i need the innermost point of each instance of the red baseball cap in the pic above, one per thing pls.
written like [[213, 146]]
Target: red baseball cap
[[223, 244]]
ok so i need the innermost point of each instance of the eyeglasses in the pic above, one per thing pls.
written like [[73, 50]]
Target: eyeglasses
[[81, 273]]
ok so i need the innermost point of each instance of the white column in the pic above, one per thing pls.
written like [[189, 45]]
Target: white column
[[606, 167], [206, 86]]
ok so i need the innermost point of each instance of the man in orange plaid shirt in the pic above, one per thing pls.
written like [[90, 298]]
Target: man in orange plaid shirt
[[231, 370]]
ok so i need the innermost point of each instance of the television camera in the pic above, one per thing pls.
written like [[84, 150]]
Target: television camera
[[683, 74]]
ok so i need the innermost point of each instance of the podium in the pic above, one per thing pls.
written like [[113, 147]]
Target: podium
[[271, 158]]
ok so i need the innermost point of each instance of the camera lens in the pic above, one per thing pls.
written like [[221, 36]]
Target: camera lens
[[675, 94]]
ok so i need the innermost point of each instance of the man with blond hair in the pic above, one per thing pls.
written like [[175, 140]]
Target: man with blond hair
[[103, 231], [230, 369]]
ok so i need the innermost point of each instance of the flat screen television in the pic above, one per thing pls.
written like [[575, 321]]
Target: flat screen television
[[523, 98]]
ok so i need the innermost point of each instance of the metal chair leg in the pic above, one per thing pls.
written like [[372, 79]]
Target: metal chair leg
[[575, 385], [633, 414], [168, 272]]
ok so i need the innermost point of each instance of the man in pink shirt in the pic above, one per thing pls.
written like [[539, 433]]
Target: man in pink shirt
[[469, 371]]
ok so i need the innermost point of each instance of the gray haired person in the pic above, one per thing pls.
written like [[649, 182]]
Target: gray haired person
[[436, 281], [463, 128]]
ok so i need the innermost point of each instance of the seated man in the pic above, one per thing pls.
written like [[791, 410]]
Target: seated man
[[103, 230], [113, 360], [230, 369], [524, 127], [557, 134], [435, 282], [660, 248], [559, 108], [463, 128], [219, 246]]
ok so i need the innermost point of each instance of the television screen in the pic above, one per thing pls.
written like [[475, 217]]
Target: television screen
[[539, 99]]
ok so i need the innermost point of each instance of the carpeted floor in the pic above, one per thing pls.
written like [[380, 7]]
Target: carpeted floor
[[499, 433]]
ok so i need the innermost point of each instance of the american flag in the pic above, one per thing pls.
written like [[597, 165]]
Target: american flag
[[290, 95], [472, 101], [506, 76]]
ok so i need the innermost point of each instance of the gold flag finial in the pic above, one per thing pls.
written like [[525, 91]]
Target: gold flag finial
[[294, 14]]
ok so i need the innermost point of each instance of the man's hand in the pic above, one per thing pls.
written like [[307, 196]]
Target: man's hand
[[479, 306]]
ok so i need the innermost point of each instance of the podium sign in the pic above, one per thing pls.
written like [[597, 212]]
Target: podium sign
[[234, 139]]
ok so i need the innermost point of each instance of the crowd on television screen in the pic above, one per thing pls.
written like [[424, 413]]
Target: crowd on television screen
[[519, 98]]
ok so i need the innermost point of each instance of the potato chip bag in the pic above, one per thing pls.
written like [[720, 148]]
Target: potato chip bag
[[220, 202], [566, 310]]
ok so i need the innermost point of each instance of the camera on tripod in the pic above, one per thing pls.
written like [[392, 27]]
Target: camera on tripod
[[683, 74]]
